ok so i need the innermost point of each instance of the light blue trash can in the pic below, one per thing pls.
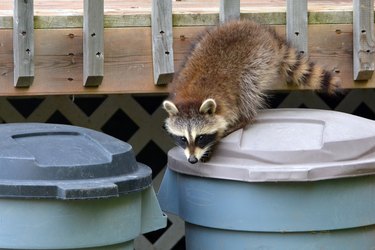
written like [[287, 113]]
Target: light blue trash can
[[296, 179], [65, 187]]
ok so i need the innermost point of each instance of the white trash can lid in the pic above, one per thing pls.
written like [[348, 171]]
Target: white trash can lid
[[290, 145]]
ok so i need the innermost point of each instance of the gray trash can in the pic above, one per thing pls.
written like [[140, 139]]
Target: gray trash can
[[65, 187], [295, 179]]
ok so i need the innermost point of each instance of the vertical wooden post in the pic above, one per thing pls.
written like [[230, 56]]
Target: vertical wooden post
[[363, 39], [229, 10], [296, 24], [23, 42], [162, 41], [93, 42]]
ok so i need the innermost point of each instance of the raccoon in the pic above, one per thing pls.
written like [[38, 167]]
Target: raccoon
[[223, 83]]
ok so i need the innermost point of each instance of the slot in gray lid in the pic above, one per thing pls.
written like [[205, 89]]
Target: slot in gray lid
[[66, 162], [290, 145]]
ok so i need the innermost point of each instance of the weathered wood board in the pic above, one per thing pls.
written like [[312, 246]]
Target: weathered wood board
[[162, 41], [137, 13], [128, 60], [363, 39], [229, 10], [93, 43], [23, 42], [296, 24]]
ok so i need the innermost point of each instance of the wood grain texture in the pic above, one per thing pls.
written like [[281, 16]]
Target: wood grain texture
[[296, 24], [229, 10], [137, 13], [23, 43], [93, 43], [162, 41], [128, 61], [363, 39]]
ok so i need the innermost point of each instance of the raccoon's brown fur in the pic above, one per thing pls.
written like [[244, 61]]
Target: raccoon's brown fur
[[232, 65]]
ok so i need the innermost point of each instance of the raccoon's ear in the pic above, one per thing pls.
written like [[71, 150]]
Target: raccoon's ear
[[208, 106], [170, 107]]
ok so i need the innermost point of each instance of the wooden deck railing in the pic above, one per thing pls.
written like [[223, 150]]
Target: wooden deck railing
[[101, 52]]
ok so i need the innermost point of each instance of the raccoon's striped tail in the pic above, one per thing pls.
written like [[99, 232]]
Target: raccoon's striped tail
[[304, 73]]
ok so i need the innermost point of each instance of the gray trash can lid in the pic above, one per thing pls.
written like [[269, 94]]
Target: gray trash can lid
[[66, 162], [290, 145]]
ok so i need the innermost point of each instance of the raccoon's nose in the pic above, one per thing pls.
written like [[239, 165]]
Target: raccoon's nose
[[192, 159]]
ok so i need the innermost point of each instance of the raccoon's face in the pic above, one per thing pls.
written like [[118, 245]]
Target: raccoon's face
[[196, 131]]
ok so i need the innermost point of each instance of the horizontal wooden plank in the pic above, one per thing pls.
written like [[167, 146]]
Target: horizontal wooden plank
[[115, 7], [137, 13], [189, 19], [128, 62]]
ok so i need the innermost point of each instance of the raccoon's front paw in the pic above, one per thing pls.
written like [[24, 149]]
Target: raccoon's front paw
[[206, 156]]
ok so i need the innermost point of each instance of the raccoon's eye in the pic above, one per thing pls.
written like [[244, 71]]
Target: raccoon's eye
[[205, 139], [180, 141]]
